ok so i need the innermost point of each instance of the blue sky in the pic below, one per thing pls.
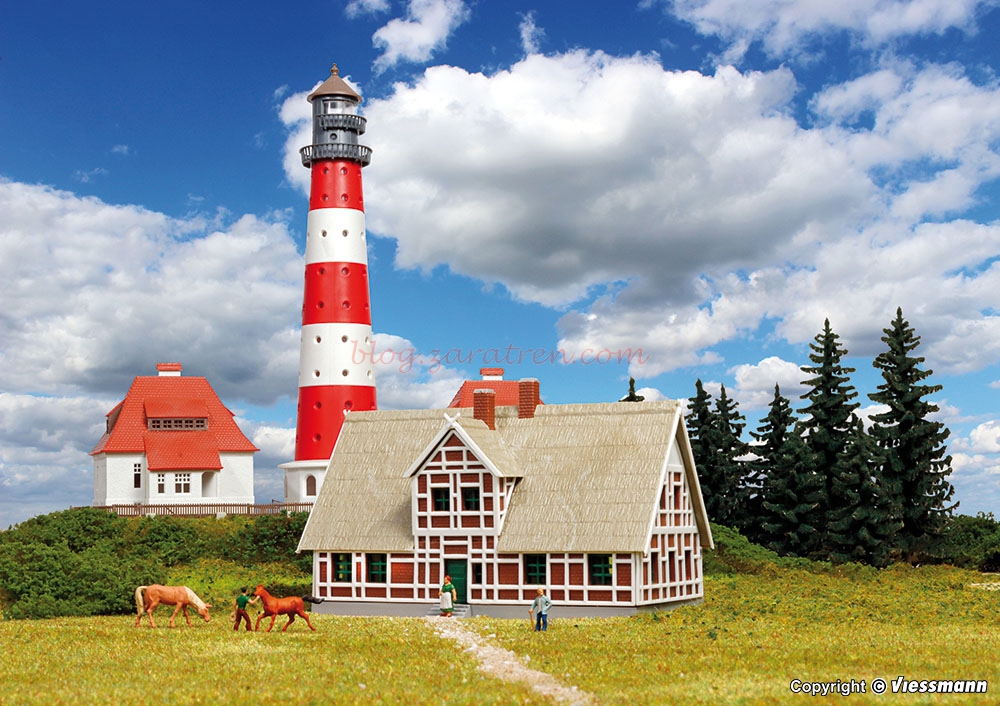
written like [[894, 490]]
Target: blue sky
[[707, 180]]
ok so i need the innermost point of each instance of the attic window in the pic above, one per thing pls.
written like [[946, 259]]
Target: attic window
[[470, 498], [187, 423], [442, 499]]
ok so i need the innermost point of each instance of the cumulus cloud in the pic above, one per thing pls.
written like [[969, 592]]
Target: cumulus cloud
[[793, 27], [755, 382], [132, 287], [674, 210], [424, 31]]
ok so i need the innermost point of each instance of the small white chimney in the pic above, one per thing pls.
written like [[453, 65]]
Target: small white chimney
[[167, 370], [491, 373]]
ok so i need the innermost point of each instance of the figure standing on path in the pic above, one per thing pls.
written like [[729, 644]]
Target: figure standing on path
[[540, 609], [242, 601], [448, 597]]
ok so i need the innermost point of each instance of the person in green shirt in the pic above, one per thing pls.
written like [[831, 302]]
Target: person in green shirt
[[242, 601], [449, 597]]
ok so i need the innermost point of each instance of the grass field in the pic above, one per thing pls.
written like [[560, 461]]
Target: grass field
[[754, 634]]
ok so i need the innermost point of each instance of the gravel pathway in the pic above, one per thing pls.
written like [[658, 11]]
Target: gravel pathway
[[504, 664]]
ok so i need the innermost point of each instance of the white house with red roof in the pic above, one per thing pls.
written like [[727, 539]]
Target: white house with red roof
[[172, 441]]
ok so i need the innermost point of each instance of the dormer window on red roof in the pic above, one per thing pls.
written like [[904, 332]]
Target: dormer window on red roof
[[177, 424]]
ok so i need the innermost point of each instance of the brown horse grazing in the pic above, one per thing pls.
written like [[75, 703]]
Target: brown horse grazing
[[180, 596], [291, 606]]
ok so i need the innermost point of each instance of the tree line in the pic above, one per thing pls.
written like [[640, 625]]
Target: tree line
[[817, 483]]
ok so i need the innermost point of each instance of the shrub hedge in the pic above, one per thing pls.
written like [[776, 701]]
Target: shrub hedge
[[87, 562]]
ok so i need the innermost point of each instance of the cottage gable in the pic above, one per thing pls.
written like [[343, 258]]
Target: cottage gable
[[457, 486]]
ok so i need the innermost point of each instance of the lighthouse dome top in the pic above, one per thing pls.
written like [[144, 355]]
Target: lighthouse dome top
[[335, 86]]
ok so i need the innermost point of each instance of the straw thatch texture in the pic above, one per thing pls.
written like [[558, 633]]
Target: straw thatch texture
[[589, 476]]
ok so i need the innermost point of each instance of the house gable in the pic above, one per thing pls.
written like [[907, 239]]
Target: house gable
[[456, 487]]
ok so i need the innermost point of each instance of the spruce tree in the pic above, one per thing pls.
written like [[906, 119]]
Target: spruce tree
[[859, 521], [828, 418], [788, 488], [742, 499], [916, 466], [707, 441]]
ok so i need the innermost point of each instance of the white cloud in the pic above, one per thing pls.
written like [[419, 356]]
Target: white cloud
[[407, 377], [132, 287], [755, 383], [678, 210], [356, 8], [531, 34], [985, 438], [791, 27], [424, 31]]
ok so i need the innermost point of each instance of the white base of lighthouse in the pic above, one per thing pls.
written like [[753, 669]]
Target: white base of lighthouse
[[303, 480]]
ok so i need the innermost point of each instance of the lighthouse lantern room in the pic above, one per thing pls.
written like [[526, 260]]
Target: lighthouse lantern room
[[335, 354]]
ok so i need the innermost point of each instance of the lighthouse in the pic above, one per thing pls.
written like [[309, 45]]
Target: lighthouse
[[335, 354]]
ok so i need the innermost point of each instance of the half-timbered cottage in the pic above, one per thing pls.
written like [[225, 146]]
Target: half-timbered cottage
[[598, 503]]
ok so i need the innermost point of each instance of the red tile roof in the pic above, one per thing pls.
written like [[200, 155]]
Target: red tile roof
[[174, 397], [181, 450]]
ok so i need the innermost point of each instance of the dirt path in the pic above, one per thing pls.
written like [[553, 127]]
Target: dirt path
[[504, 664]]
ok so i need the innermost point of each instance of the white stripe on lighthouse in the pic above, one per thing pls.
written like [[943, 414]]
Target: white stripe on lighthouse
[[336, 354], [336, 235]]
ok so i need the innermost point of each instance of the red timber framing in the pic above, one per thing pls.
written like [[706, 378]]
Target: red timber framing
[[459, 505]]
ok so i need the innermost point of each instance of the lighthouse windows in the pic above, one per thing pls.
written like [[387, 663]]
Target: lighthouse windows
[[345, 232], [345, 372], [345, 271], [324, 234], [347, 304], [343, 339]]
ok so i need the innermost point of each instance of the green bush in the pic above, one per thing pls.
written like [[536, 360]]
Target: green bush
[[88, 562], [735, 554]]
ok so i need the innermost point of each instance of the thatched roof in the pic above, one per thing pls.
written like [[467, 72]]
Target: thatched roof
[[589, 476]]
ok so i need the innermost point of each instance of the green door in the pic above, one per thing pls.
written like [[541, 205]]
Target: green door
[[458, 569]]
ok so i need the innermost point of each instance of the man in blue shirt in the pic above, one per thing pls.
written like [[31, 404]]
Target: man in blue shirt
[[540, 609]]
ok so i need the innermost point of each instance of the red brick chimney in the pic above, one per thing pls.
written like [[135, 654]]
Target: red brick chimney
[[527, 398], [484, 407]]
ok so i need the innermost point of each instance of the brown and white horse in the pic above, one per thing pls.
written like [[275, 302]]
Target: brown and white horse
[[180, 596], [291, 606]]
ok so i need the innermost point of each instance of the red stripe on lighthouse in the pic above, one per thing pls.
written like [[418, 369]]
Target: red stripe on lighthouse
[[321, 415], [336, 292], [336, 184]]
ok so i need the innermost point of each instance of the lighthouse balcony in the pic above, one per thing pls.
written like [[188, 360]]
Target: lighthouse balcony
[[335, 150], [341, 121]]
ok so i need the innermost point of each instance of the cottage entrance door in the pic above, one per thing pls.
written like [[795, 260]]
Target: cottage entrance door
[[458, 569]]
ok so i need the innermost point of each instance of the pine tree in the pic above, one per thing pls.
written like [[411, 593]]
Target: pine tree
[[828, 421], [859, 522], [742, 499], [916, 468], [792, 512], [773, 469], [707, 441]]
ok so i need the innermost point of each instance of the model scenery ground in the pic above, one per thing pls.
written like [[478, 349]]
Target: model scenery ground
[[753, 635]]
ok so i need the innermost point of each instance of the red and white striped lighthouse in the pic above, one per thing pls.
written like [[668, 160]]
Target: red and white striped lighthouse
[[335, 355]]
